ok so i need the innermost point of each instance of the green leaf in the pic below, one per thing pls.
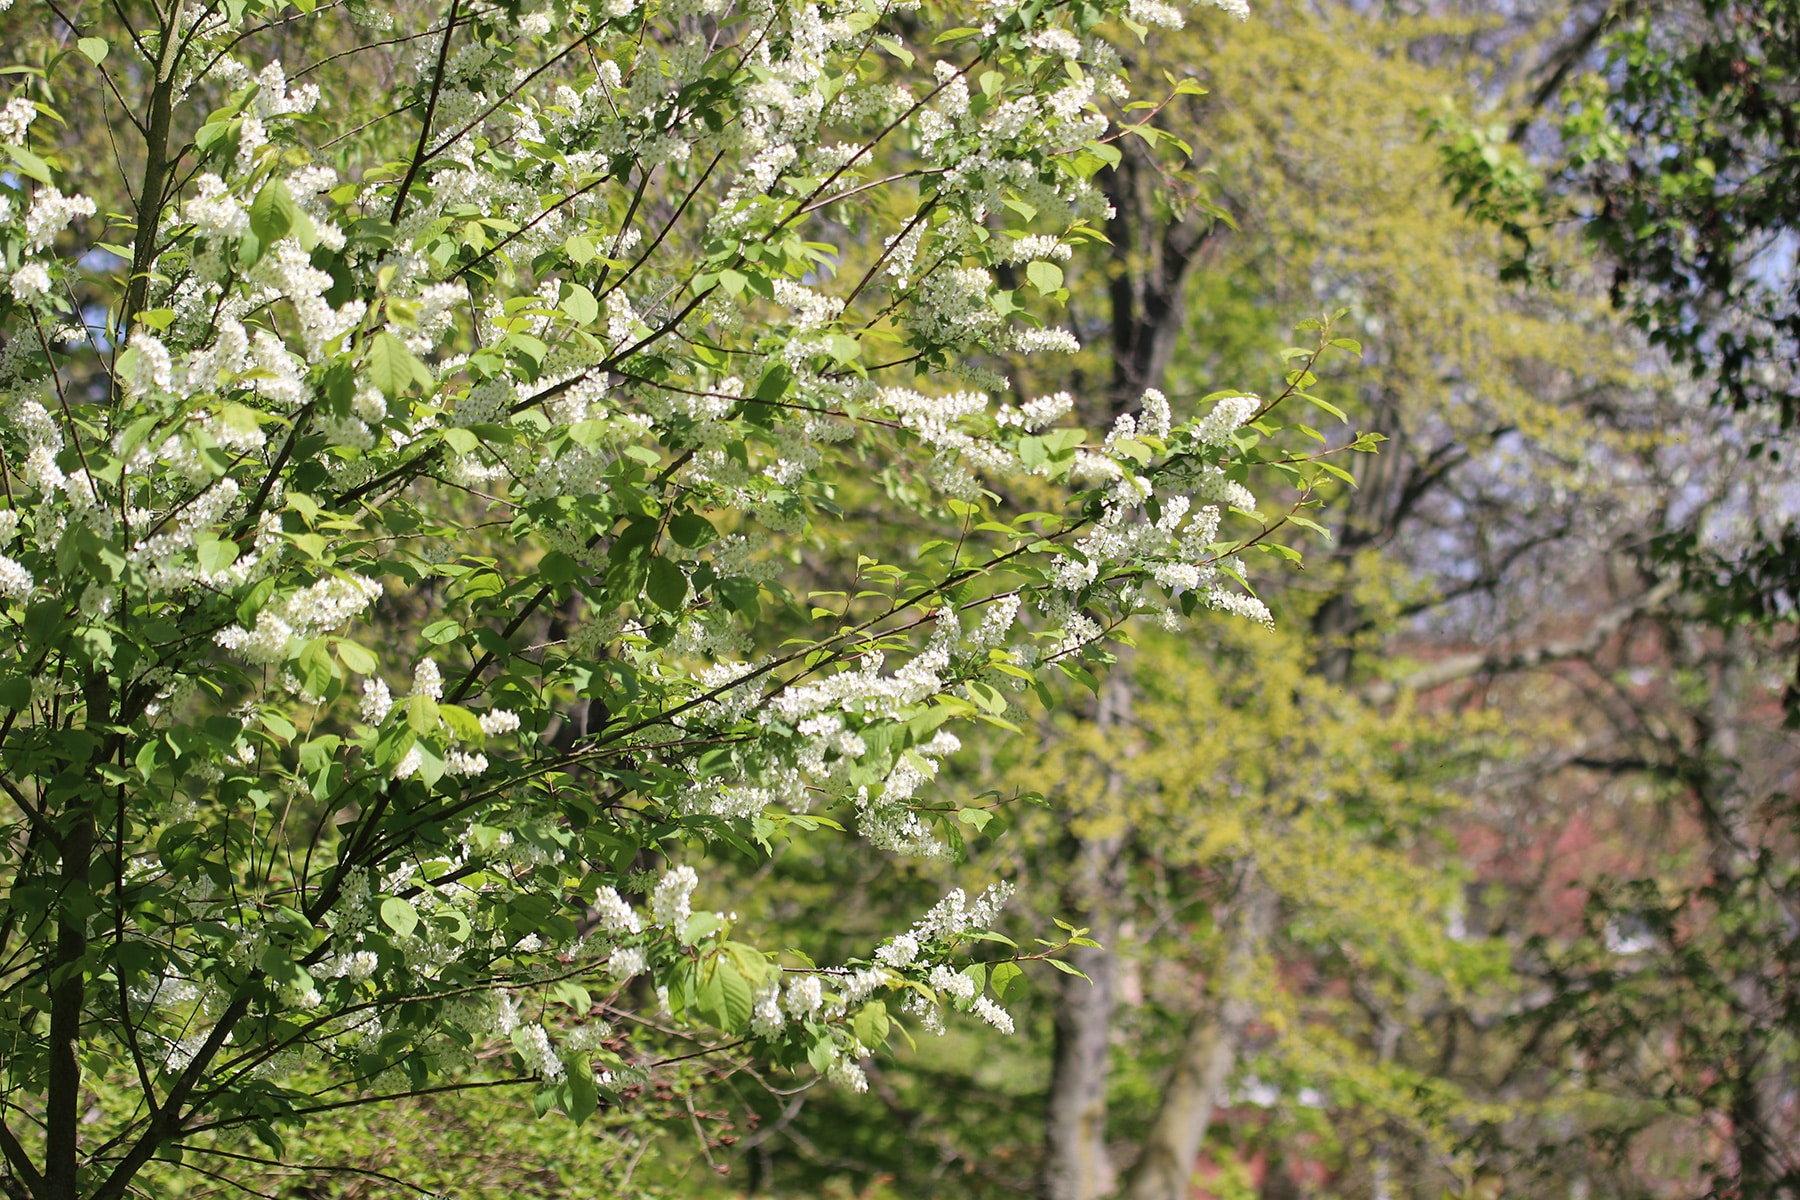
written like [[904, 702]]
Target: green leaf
[[583, 1099], [277, 965], [1325, 405], [741, 596], [1108, 154], [581, 306], [975, 818], [698, 926], [93, 49], [843, 348], [392, 367], [773, 385], [396, 739], [399, 916], [871, 1024], [737, 998], [31, 164], [422, 715], [1044, 276], [274, 215], [439, 632], [355, 657], [316, 668], [894, 47], [691, 531], [987, 697], [557, 567], [215, 555], [1003, 975], [574, 995], [461, 440], [463, 723], [667, 586], [15, 691], [580, 250]]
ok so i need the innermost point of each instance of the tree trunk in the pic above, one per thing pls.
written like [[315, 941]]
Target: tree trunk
[[1152, 263], [1210, 1049], [1076, 1163], [1759, 1074]]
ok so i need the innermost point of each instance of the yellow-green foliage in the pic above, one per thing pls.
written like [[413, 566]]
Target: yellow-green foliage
[[1317, 135], [1232, 751]]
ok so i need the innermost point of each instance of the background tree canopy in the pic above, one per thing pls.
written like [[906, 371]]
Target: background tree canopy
[[764, 598]]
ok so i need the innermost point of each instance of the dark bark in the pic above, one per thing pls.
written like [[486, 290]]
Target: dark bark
[[156, 166], [1758, 1077], [1153, 260], [68, 998]]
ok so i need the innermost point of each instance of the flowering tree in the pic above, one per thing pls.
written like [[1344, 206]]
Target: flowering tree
[[438, 454]]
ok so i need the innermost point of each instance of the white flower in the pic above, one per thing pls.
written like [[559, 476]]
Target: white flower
[[497, 722], [377, 702], [1230, 412], [214, 210], [1152, 12], [625, 963], [1034, 341], [1037, 247], [804, 996], [952, 983], [846, 1073], [900, 952], [29, 282], [765, 1014], [534, 1048], [584, 1038], [355, 967], [15, 580], [409, 765], [16, 117], [671, 903], [993, 1014], [426, 680], [616, 916], [464, 763], [320, 608], [50, 214], [1156, 414]]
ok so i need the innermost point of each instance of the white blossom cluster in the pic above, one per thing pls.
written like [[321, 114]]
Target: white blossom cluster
[[588, 440], [325, 606]]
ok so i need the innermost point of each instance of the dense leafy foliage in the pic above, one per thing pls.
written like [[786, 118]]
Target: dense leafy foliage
[[430, 523]]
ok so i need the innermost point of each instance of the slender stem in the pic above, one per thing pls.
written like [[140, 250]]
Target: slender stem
[[156, 169], [431, 102]]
